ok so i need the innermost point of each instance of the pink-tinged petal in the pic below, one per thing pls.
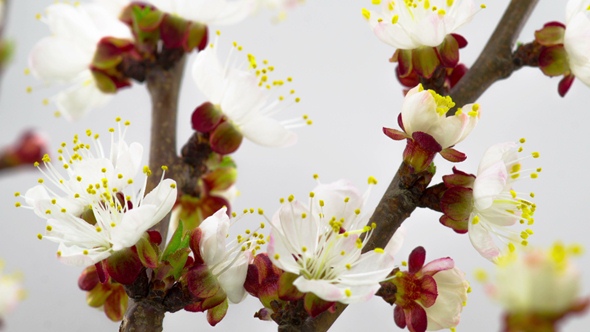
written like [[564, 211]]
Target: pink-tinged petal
[[55, 59], [334, 195], [438, 265], [419, 112], [371, 268], [79, 99], [393, 35], [134, 223], [489, 184], [323, 289], [286, 261], [430, 30], [497, 214], [268, 132], [232, 280], [482, 241], [452, 294], [208, 73], [497, 153]]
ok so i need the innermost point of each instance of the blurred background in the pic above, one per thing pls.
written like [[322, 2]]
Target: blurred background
[[348, 87]]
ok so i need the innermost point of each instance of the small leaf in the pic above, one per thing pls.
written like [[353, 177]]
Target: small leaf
[[124, 266], [201, 282], [147, 252], [175, 242], [314, 305]]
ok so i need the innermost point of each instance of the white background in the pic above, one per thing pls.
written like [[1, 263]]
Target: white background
[[348, 87]]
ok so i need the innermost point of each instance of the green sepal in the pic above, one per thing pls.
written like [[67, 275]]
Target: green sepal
[[287, 291], [177, 242], [216, 314], [148, 252], [550, 35]]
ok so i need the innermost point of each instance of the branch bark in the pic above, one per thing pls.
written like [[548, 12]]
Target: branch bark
[[164, 88], [495, 61], [403, 194]]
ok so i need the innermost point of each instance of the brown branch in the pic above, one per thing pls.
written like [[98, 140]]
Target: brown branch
[[403, 194], [495, 61], [430, 199], [164, 88]]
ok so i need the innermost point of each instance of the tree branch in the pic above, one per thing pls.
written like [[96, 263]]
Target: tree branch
[[495, 61], [164, 88]]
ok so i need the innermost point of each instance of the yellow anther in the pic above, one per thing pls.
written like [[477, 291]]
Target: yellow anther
[[536, 154], [39, 236], [291, 198], [372, 180], [379, 250], [277, 256], [357, 211], [260, 211], [348, 292], [312, 194], [481, 275], [522, 140], [322, 202], [475, 220]]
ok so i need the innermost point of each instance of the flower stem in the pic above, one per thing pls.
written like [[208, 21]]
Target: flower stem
[[495, 62]]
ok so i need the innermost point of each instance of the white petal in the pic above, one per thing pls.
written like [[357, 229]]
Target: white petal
[[419, 112], [334, 195], [242, 98], [74, 24], [106, 23], [268, 132], [452, 293], [79, 99], [163, 198], [489, 184], [55, 59], [323, 289], [216, 12], [75, 256], [208, 73], [482, 241], [232, 280], [286, 261], [134, 223], [577, 45], [494, 154], [212, 244]]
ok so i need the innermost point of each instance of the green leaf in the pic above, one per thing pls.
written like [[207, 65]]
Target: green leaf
[[176, 242]]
